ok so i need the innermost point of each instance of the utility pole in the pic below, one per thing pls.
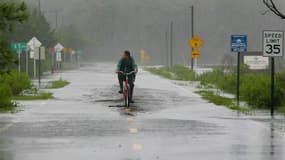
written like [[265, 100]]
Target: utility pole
[[56, 19], [171, 44], [167, 47], [192, 33], [39, 7]]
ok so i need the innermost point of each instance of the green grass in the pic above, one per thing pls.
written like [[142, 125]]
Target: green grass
[[163, 72], [221, 101], [57, 84], [281, 109], [41, 96], [176, 72], [11, 109]]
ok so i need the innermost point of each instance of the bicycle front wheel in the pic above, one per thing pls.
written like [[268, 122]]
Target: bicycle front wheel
[[126, 97]]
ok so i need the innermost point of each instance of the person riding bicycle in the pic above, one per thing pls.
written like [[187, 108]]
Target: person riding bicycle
[[127, 64]]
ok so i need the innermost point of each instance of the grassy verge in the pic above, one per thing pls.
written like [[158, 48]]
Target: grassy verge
[[57, 84], [221, 101], [10, 109], [175, 73], [41, 96], [254, 86], [281, 109]]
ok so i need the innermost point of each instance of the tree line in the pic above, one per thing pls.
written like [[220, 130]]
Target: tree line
[[19, 23]]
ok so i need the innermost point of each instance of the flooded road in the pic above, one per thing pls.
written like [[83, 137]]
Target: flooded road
[[86, 120]]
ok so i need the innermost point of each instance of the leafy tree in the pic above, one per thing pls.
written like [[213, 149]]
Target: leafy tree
[[37, 25], [10, 14]]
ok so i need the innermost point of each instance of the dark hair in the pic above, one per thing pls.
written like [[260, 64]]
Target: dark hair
[[127, 53]]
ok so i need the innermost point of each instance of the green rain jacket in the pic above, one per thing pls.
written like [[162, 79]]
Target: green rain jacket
[[127, 65]]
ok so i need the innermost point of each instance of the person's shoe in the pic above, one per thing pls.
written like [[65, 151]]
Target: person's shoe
[[132, 101], [121, 92]]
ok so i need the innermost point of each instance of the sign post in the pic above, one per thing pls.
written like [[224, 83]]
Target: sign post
[[41, 57], [58, 49], [238, 44], [34, 45], [273, 47], [195, 43], [19, 48]]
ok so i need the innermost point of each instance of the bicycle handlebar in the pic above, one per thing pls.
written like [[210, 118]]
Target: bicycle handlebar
[[127, 74]]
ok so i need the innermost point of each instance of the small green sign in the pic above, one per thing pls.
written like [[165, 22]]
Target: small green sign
[[79, 52], [19, 47]]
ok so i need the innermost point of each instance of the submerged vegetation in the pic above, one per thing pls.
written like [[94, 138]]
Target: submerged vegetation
[[57, 84], [177, 72], [254, 88]]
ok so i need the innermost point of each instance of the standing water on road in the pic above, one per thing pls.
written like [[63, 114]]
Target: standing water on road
[[142, 80]]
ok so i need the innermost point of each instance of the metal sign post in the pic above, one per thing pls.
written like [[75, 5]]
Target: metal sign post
[[41, 57], [27, 62], [238, 44], [19, 48], [273, 47], [34, 45], [19, 59], [58, 49]]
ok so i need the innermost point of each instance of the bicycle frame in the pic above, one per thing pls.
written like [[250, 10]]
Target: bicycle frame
[[127, 92], [126, 89]]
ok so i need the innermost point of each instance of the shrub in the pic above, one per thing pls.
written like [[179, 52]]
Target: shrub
[[255, 89], [5, 96], [18, 82]]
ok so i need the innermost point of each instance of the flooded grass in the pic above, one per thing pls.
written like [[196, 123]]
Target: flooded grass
[[8, 110], [221, 101], [41, 96], [57, 84], [176, 72]]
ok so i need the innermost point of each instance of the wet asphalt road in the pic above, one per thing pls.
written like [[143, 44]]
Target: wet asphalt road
[[168, 122]]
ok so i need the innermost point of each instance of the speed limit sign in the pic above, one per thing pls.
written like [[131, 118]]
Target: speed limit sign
[[273, 43]]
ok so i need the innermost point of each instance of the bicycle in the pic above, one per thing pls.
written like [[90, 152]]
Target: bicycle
[[126, 88]]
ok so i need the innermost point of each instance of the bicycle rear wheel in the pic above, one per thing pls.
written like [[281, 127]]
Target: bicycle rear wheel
[[126, 96]]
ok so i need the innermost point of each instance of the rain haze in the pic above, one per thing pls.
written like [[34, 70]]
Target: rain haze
[[112, 26], [142, 79]]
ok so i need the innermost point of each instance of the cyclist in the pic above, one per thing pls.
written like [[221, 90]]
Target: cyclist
[[127, 64]]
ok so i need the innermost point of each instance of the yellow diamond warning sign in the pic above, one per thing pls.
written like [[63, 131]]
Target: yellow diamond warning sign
[[196, 42]]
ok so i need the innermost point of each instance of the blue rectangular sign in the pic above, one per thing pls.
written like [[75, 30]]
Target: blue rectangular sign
[[239, 43]]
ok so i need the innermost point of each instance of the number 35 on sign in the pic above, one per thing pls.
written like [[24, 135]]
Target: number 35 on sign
[[273, 43]]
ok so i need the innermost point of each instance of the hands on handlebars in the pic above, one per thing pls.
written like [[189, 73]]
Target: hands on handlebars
[[135, 72]]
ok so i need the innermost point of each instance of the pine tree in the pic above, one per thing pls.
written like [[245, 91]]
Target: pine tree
[[10, 14]]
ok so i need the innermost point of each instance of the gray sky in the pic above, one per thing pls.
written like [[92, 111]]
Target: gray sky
[[111, 26]]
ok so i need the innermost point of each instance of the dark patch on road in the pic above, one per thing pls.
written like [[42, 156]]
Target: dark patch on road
[[106, 128], [109, 100], [147, 100]]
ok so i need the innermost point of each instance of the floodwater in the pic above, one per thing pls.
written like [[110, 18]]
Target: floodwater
[[86, 120]]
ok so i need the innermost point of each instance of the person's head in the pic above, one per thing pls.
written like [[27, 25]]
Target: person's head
[[127, 55]]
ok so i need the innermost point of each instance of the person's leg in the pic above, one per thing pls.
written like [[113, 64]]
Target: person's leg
[[132, 86], [121, 81]]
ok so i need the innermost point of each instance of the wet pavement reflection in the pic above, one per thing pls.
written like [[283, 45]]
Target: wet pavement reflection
[[167, 122]]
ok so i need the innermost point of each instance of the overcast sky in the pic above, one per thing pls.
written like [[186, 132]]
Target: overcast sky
[[111, 26]]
